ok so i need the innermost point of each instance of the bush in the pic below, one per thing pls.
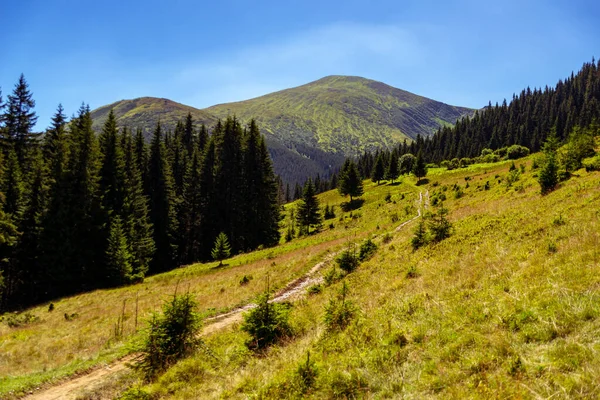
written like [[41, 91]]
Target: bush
[[332, 275], [347, 261], [439, 226], [329, 212], [515, 151], [339, 311], [314, 289], [306, 373], [591, 164], [245, 279], [387, 238], [548, 176], [18, 320], [367, 249], [170, 335], [420, 236], [267, 323]]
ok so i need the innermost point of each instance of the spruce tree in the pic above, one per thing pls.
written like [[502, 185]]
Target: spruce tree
[[28, 250], [118, 257], [221, 249], [112, 170], [12, 185], [392, 170], [190, 215], [378, 170], [419, 168], [136, 218], [189, 134], [162, 205], [309, 214], [19, 120], [350, 183], [202, 139]]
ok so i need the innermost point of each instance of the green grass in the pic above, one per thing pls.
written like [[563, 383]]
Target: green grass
[[489, 312]]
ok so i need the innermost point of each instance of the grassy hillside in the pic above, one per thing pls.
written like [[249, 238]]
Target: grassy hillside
[[145, 112], [344, 114], [309, 129], [507, 306]]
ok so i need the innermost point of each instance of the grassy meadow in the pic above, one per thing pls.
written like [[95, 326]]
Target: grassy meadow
[[506, 307]]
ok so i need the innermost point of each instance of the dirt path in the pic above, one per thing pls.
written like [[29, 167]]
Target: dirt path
[[73, 387]]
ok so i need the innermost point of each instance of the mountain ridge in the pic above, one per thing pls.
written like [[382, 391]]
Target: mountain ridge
[[309, 129]]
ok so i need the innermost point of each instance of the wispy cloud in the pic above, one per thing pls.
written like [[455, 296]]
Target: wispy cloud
[[346, 48]]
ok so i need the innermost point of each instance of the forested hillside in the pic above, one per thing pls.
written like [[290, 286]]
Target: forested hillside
[[80, 210], [309, 129], [526, 121]]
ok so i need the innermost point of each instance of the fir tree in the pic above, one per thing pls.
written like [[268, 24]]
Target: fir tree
[[19, 119], [378, 170], [221, 249], [190, 217], [136, 218], [162, 205], [112, 170], [202, 139], [189, 134], [308, 214], [209, 227], [12, 185], [419, 168], [118, 257], [350, 183], [392, 170]]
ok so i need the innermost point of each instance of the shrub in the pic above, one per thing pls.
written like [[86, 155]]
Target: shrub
[[548, 176], [591, 164], [515, 151], [329, 212], [347, 261], [420, 236], [367, 249], [267, 323], [387, 238], [388, 197], [439, 226], [412, 272], [512, 177], [170, 335], [306, 373], [18, 320], [245, 279], [315, 289], [332, 275], [339, 311]]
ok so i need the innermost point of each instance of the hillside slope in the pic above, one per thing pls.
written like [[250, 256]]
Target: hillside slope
[[506, 307], [344, 114], [309, 129]]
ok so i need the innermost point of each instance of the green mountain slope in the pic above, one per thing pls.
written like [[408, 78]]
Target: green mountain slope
[[309, 129], [344, 114]]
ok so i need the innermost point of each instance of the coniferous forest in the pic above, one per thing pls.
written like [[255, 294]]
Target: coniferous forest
[[81, 210], [526, 121]]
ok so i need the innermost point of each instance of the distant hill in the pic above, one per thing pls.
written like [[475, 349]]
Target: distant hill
[[309, 129]]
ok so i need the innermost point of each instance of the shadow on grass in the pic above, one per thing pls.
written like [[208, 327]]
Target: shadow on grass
[[397, 183], [422, 182], [352, 205]]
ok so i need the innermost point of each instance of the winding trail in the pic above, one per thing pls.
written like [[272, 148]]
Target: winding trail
[[74, 386]]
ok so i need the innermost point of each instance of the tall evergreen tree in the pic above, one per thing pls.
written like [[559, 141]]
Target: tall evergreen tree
[[162, 205], [190, 215], [378, 169], [135, 215], [202, 138], [309, 213], [392, 170], [349, 181], [118, 257], [419, 168], [12, 185], [189, 134], [112, 170], [209, 207], [19, 119]]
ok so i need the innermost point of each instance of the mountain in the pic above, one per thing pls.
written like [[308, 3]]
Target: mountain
[[311, 128]]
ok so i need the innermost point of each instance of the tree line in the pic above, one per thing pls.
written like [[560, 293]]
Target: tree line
[[80, 210], [506, 130]]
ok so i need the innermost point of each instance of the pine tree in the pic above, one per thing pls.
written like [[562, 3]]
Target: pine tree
[[202, 139], [162, 205], [12, 185], [28, 250], [141, 156], [189, 134], [392, 170], [419, 168], [308, 214], [118, 257], [378, 170], [261, 206], [221, 249], [136, 218], [350, 182], [19, 120], [112, 170], [190, 214]]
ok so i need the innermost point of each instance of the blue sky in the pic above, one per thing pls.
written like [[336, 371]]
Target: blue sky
[[203, 53]]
